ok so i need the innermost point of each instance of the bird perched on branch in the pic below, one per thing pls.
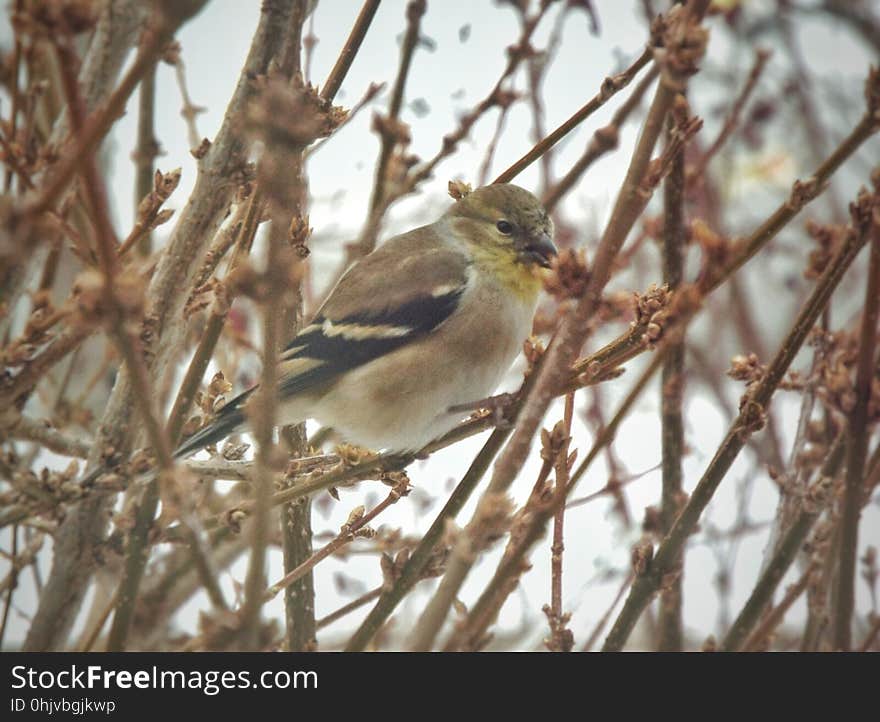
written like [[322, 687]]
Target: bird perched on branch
[[426, 324]]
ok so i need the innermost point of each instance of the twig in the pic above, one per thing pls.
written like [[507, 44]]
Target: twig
[[610, 86], [603, 620], [25, 381], [49, 437], [89, 641], [470, 633], [671, 627], [15, 94], [167, 19], [732, 119], [871, 637], [13, 583], [388, 126], [603, 140], [173, 579], [297, 547], [264, 423], [561, 639], [354, 527], [189, 110], [858, 441], [486, 165], [214, 325], [418, 560], [757, 638], [747, 422], [147, 148], [349, 50], [812, 504], [469, 542], [805, 191], [373, 89], [352, 606]]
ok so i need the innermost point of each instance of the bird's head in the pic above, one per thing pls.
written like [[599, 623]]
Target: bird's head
[[507, 220]]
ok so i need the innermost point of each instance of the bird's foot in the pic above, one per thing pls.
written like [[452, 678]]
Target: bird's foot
[[497, 405]]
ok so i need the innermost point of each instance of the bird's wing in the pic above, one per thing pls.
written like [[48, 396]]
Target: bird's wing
[[402, 291]]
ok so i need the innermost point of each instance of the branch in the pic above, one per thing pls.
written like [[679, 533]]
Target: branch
[[471, 633], [671, 395], [815, 499], [758, 638], [858, 443], [391, 132], [732, 119], [356, 526], [48, 437], [168, 18], [604, 139], [74, 557], [749, 420], [349, 50], [610, 87]]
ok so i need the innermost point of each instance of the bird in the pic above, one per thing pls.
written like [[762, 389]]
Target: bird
[[423, 326]]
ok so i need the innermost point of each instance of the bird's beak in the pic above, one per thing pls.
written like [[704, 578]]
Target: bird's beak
[[540, 250]]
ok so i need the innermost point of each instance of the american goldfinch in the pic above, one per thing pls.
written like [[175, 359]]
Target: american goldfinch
[[428, 322]]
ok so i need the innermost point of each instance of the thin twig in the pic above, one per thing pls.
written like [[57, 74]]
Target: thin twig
[[147, 148], [747, 422], [349, 50], [871, 637], [732, 119], [603, 140], [355, 526], [785, 551], [49, 438], [165, 24], [858, 445], [610, 86], [418, 560], [472, 631], [561, 639], [603, 620], [671, 626], [388, 125], [352, 606], [264, 423], [758, 638]]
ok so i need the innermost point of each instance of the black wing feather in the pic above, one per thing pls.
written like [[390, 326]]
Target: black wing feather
[[339, 353], [336, 354]]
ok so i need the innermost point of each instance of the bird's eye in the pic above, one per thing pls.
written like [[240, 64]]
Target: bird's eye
[[504, 227]]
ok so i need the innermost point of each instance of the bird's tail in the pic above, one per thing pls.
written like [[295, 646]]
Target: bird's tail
[[228, 420]]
